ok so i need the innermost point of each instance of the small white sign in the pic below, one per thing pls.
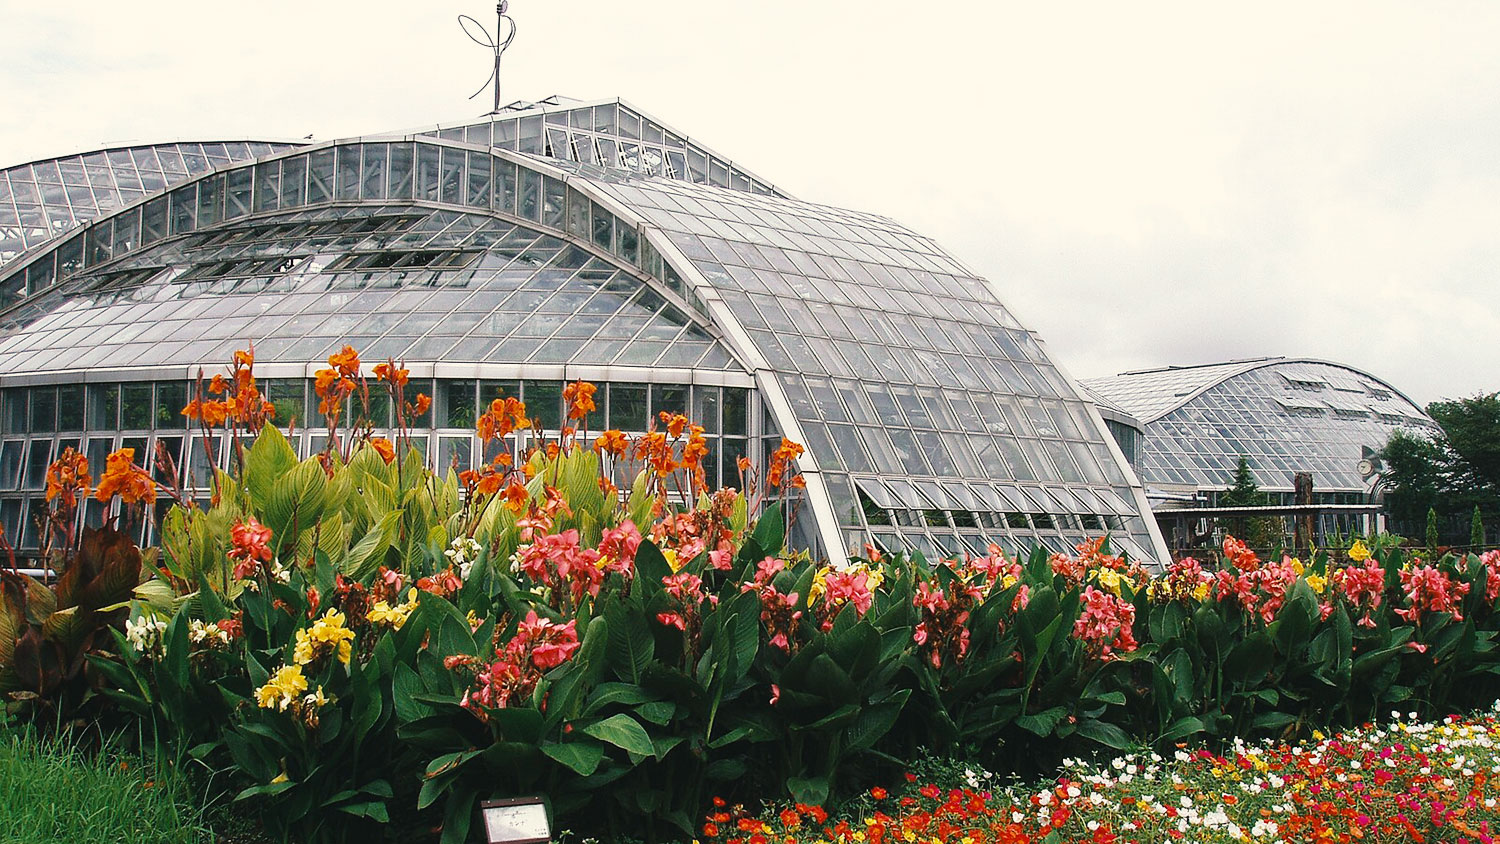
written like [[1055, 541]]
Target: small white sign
[[517, 822]]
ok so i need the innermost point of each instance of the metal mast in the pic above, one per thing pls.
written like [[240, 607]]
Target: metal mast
[[503, 24]]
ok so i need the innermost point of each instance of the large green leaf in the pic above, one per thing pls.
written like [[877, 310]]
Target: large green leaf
[[268, 459], [631, 645], [623, 732], [368, 553], [582, 756]]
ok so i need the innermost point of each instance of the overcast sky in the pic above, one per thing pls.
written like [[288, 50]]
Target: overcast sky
[[1147, 183]]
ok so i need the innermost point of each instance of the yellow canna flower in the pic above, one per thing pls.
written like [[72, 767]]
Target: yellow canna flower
[[671, 556], [1358, 552], [1317, 582]]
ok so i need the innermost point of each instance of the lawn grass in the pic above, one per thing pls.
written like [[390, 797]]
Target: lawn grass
[[53, 791]]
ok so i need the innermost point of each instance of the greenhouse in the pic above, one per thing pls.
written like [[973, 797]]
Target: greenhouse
[[1283, 415], [547, 243]]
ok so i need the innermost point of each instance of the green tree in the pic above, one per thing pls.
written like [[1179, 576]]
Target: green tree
[[1476, 530], [1432, 531], [1245, 491], [1472, 427], [1452, 472]]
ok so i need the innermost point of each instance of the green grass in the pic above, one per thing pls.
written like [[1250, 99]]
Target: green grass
[[51, 791]]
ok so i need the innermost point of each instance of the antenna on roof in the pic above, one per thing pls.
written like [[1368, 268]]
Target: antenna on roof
[[495, 42]]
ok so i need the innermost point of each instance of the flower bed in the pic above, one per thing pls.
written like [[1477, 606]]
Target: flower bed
[[1401, 781], [365, 640]]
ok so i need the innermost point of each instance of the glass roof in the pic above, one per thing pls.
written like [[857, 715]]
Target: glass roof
[[906, 374], [1283, 416], [604, 134], [392, 280], [906, 378], [43, 199]]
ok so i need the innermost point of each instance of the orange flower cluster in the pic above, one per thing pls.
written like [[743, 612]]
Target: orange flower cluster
[[68, 477], [781, 461], [384, 448], [504, 417], [241, 402], [125, 479], [336, 384], [580, 398], [612, 442], [389, 373]]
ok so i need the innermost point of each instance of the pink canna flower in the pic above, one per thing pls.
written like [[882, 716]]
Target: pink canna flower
[[1431, 590], [1105, 623]]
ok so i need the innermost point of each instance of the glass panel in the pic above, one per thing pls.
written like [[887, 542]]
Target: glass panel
[[348, 173], [372, 184], [479, 180], [454, 452], [627, 407], [320, 176], [15, 410], [294, 182], [70, 407], [171, 397], [104, 407], [427, 172], [668, 398], [135, 406], [10, 464], [453, 176], [544, 402], [43, 417], [455, 404], [38, 457], [402, 175], [530, 199]]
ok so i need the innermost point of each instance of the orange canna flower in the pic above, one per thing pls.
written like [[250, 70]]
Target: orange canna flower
[[612, 442], [580, 398], [388, 372], [245, 357], [384, 448], [123, 478], [323, 381], [743, 463], [346, 361], [676, 423], [67, 477], [420, 406], [781, 460], [696, 448], [218, 386], [516, 498]]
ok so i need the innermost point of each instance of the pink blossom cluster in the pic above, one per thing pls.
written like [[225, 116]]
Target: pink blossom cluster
[[1491, 561], [539, 645], [943, 632], [1105, 624], [686, 592], [778, 611], [1430, 590], [1363, 587], [560, 562]]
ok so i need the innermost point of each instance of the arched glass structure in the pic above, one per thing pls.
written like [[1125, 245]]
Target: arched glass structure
[[1282, 415], [933, 420], [43, 199]]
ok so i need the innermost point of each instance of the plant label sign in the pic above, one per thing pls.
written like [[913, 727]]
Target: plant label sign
[[521, 820]]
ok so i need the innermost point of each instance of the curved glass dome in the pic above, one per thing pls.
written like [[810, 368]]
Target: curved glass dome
[[1283, 415], [933, 420], [42, 199]]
